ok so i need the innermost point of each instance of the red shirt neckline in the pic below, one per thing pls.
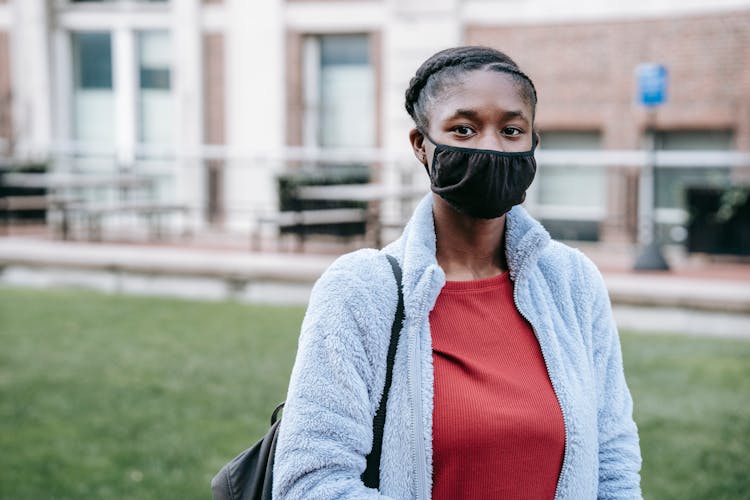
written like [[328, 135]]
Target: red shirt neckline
[[473, 285]]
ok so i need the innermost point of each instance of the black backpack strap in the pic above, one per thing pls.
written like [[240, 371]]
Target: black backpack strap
[[371, 475]]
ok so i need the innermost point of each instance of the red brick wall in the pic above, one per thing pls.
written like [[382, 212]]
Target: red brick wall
[[584, 72], [5, 95]]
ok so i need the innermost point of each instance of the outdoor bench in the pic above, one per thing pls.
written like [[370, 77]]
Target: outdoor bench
[[10, 205], [92, 214], [300, 219]]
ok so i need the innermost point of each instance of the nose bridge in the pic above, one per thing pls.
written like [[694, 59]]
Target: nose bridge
[[492, 140]]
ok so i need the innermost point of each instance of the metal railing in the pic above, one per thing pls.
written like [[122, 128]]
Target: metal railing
[[223, 186]]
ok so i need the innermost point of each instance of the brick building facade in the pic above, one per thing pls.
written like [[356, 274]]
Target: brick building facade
[[585, 74], [230, 81]]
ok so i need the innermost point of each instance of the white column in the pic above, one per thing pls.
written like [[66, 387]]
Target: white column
[[414, 30], [125, 83], [63, 86], [6, 17], [5, 25], [30, 60], [255, 90], [187, 86], [311, 91]]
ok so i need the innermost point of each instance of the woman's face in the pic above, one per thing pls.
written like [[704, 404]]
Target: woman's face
[[482, 111]]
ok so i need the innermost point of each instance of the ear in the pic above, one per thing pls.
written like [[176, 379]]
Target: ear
[[538, 138], [416, 138]]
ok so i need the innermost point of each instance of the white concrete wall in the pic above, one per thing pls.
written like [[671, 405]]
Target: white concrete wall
[[125, 87], [187, 88], [31, 75], [335, 16], [255, 91], [6, 16], [415, 30]]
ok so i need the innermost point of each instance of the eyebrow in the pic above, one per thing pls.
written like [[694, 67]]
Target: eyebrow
[[467, 113], [470, 113]]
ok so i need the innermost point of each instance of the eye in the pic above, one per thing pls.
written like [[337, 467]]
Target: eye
[[512, 131], [462, 130]]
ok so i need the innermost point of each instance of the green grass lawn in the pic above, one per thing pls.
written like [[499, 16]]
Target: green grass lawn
[[692, 406], [122, 397]]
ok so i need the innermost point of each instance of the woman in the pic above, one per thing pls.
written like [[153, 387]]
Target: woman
[[508, 379]]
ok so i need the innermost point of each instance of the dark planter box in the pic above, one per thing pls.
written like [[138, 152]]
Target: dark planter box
[[5, 190], [719, 220], [572, 230], [322, 176]]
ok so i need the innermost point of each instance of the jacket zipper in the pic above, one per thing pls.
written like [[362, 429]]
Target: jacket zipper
[[415, 370], [416, 384], [554, 389]]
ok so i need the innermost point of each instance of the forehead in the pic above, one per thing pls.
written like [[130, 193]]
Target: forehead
[[480, 90]]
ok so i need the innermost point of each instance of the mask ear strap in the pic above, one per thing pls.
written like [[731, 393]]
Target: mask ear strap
[[424, 134]]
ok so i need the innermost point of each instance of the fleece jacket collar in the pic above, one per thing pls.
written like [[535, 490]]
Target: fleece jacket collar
[[417, 247]]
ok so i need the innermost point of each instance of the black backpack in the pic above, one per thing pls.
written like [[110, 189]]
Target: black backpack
[[249, 476]]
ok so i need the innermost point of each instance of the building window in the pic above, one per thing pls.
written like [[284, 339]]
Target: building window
[[339, 91], [571, 198], [94, 60], [93, 97], [671, 183], [155, 106]]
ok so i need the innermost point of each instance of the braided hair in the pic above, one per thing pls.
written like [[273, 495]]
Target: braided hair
[[445, 67]]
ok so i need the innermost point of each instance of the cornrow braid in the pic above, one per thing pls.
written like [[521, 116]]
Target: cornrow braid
[[443, 68]]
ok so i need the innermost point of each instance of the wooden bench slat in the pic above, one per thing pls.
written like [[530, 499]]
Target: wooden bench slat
[[13, 203], [33, 202], [313, 217], [111, 208], [300, 218]]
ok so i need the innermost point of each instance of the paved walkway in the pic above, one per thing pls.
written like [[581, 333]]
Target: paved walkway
[[697, 296]]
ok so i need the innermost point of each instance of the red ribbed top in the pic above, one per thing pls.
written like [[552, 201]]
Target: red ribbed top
[[498, 431]]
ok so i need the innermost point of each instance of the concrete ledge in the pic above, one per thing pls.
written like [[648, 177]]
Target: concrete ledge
[[703, 294], [682, 321], [159, 285], [217, 274], [216, 264]]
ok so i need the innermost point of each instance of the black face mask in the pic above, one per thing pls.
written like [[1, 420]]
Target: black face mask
[[481, 183]]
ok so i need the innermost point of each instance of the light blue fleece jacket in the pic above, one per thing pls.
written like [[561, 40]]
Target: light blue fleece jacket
[[339, 372]]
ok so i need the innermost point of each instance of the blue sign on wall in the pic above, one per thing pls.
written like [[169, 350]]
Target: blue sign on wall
[[652, 84]]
